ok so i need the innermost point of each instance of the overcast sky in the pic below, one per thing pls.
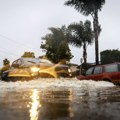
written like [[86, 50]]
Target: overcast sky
[[24, 22]]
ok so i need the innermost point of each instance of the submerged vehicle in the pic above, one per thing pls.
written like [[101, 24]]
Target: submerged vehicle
[[106, 72], [29, 68]]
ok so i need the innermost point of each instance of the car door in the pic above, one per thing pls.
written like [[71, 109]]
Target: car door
[[97, 73], [89, 74], [113, 72]]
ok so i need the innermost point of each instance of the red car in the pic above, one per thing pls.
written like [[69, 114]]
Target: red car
[[107, 72]]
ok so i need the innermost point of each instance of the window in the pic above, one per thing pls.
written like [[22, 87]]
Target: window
[[119, 67], [89, 71], [98, 70], [15, 62], [111, 68], [18, 62]]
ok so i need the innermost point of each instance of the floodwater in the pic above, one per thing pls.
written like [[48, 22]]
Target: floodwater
[[59, 99]]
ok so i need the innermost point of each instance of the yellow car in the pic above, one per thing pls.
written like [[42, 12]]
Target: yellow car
[[29, 68]]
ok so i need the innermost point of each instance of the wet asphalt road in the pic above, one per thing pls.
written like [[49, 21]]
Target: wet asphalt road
[[59, 99]]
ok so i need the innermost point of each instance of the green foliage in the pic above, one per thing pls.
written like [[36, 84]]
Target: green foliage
[[6, 65], [90, 7], [0, 72], [4, 68], [56, 45], [86, 7], [28, 55], [109, 56], [6, 62], [81, 35]]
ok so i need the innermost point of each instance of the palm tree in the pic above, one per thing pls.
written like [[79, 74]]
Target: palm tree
[[56, 45], [81, 36], [90, 7]]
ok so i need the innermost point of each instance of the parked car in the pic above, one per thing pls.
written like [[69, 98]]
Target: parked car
[[107, 72], [29, 68]]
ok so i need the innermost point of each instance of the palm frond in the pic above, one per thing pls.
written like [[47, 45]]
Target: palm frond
[[85, 7]]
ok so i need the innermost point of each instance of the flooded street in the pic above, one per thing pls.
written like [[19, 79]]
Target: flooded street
[[59, 99]]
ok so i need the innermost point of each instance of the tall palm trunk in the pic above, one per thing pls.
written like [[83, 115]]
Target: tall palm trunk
[[84, 53], [96, 33]]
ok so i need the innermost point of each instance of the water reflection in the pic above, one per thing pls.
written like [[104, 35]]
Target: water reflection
[[35, 105], [55, 104], [68, 102]]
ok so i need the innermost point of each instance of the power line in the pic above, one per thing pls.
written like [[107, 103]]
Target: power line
[[8, 52], [23, 45], [16, 42]]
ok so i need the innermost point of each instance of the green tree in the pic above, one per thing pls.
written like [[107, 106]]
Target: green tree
[[90, 7], [6, 62], [56, 45], [81, 35], [6, 65], [109, 56], [28, 55]]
